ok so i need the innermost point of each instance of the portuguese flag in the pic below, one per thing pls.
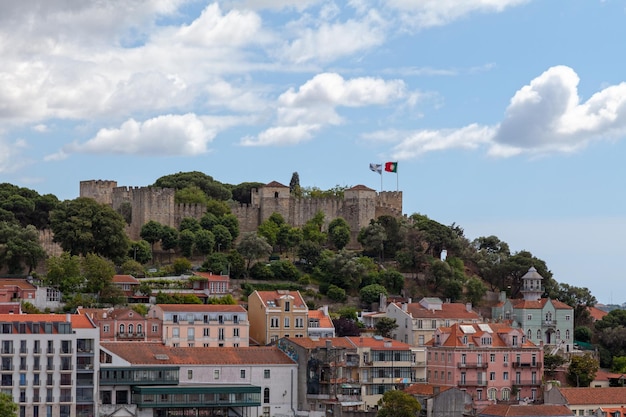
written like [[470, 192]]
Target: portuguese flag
[[391, 167]]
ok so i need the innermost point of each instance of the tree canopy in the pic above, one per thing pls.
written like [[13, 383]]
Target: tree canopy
[[396, 403]]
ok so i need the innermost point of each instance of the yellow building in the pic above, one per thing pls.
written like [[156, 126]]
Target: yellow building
[[277, 314]]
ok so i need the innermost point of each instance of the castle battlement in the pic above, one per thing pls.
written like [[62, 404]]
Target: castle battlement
[[359, 205]]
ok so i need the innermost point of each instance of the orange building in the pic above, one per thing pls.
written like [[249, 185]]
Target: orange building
[[277, 314]]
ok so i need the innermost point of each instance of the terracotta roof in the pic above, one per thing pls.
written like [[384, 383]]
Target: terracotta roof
[[147, 354], [539, 304], [20, 283], [129, 279], [378, 343], [275, 184], [610, 411], [360, 187], [596, 313], [266, 296], [324, 320], [591, 396], [79, 321], [448, 311], [211, 277], [350, 342], [200, 308], [424, 389], [312, 343], [498, 331], [517, 410]]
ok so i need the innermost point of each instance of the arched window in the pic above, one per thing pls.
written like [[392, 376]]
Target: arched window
[[538, 334], [558, 335], [530, 335], [266, 396], [130, 328], [491, 394], [121, 328], [506, 394], [139, 328], [567, 334]]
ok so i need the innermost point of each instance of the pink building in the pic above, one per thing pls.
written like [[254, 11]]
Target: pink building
[[124, 324], [492, 362]]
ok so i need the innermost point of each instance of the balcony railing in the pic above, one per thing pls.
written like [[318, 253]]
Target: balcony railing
[[469, 383], [482, 365], [525, 365], [549, 323]]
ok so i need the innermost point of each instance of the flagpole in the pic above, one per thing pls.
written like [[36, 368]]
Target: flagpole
[[381, 180]]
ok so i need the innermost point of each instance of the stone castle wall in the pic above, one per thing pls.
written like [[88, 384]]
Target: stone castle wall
[[359, 205]]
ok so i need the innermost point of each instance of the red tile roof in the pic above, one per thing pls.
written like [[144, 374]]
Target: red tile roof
[[596, 313], [128, 279], [424, 389], [210, 276], [147, 354], [539, 304], [266, 296], [79, 321], [275, 184], [201, 308], [360, 187], [592, 396], [324, 320], [350, 342], [456, 311], [22, 284], [517, 410]]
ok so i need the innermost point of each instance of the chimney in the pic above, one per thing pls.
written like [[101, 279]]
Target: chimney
[[329, 344], [409, 301], [468, 307], [405, 307]]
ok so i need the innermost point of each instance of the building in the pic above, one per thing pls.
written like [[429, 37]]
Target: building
[[586, 401], [417, 322], [124, 324], [277, 314], [207, 325], [525, 410], [48, 364], [211, 285], [16, 290], [341, 374], [153, 380], [320, 323], [492, 362], [438, 401], [546, 321]]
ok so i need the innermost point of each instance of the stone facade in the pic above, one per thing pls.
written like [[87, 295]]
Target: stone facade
[[359, 205]]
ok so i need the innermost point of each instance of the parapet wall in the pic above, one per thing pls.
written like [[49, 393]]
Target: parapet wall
[[153, 203]]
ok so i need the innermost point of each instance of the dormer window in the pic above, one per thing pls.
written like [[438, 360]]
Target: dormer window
[[287, 306], [465, 340]]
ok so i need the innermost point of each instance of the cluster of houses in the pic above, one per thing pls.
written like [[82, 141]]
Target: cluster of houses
[[276, 357]]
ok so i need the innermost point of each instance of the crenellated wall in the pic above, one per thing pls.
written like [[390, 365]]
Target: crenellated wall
[[359, 205]]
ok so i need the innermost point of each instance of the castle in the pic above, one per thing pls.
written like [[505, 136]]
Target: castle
[[358, 206]]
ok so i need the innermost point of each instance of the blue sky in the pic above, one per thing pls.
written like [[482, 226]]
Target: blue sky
[[506, 117]]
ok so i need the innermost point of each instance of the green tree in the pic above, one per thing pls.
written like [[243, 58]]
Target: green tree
[[344, 269], [187, 242], [205, 241], [151, 232], [348, 312], [373, 238], [385, 326], [294, 185], [181, 265], [230, 222], [580, 299], [132, 267], [64, 273], [253, 247], [310, 253], [284, 270], [288, 237], [583, 334], [582, 370], [223, 238], [312, 229], [551, 363], [339, 233], [392, 280], [396, 403], [475, 290], [189, 223], [98, 273], [83, 226], [191, 195], [20, 247], [335, 293], [236, 264], [140, 251], [217, 263], [242, 193], [206, 183], [169, 238], [371, 293], [7, 407]]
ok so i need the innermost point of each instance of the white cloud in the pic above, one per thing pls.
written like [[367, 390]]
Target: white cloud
[[327, 41], [302, 112], [164, 136], [11, 156], [428, 13], [548, 116]]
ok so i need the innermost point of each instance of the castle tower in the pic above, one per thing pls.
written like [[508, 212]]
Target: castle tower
[[531, 285], [275, 198], [99, 190]]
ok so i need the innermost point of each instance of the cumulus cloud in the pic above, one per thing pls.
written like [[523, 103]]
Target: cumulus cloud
[[428, 13], [163, 136], [302, 112], [546, 116], [11, 155]]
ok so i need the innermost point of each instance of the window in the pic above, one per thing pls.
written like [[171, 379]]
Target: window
[[419, 324], [568, 317], [236, 332], [286, 322], [433, 324], [122, 328], [514, 340], [220, 319], [492, 357], [266, 373], [299, 322], [266, 396], [220, 333], [206, 332], [191, 334], [491, 394], [139, 328], [538, 334], [447, 323], [274, 322], [420, 339], [236, 319], [242, 373], [479, 394], [130, 328], [529, 317], [216, 374], [492, 376], [155, 328], [530, 335], [567, 334], [175, 332], [190, 374], [506, 394], [266, 412], [287, 306], [175, 318], [558, 334], [505, 376]]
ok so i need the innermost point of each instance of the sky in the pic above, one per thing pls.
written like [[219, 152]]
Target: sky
[[506, 117]]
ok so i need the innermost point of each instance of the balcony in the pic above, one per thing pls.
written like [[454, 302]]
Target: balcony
[[7, 350], [548, 323], [472, 365], [525, 365], [470, 383]]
